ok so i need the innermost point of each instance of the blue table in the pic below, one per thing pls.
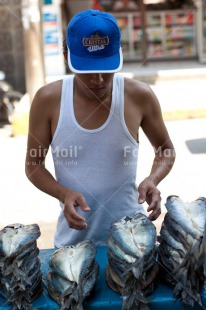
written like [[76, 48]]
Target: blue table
[[103, 297]]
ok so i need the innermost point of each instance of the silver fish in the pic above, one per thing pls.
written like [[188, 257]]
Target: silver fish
[[191, 216], [16, 237], [116, 277], [57, 285], [168, 238], [73, 274], [131, 256], [71, 262], [21, 277], [177, 231], [135, 236], [182, 249]]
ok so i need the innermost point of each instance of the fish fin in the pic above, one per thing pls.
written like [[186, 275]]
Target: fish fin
[[189, 298], [132, 299], [142, 306], [177, 291], [6, 267], [136, 268], [72, 298], [187, 293], [186, 274], [140, 297], [127, 302], [21, 301], [132, 294]]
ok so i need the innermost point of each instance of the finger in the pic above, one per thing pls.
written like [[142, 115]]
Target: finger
[[142, 197], [155, 214], [141, 200], [155, 201], [152, 206], [71, 213], [77, 225], [81, 202], [142, 193]]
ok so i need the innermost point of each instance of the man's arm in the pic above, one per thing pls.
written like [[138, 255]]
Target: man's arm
[[155, 130], [39, 139]]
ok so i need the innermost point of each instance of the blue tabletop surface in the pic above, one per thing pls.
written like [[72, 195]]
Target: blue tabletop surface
[[102, 296]]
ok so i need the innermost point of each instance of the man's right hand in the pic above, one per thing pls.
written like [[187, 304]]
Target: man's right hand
[[72, 201]]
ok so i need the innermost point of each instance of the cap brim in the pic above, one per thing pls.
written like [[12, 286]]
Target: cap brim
[[109, 64]]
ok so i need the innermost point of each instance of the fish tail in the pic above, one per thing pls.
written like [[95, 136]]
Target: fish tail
[[187, 287], [72, 298], [21, 300], [136, 268], [133, 297]]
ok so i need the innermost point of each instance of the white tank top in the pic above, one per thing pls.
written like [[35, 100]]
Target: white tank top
[[99, 163]]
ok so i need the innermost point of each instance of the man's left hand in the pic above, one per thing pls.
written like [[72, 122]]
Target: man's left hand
[[148, 192]]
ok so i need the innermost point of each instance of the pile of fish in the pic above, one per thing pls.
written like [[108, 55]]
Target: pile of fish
[[132, 268], [20, 274], [74, 272], [182, 247]]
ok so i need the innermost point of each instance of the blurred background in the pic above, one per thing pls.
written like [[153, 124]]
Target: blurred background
[[164, 45]]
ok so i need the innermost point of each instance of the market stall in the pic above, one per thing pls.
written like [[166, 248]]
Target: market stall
[[102, 297]]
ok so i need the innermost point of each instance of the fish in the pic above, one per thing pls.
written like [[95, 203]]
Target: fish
[[134, 235], [20, 267], [16, 237], [132, 269], [181, 250], [177, 231], [116, 277], [194, 212], [71, 262], [169, 239], [73, 274], [57, 285]]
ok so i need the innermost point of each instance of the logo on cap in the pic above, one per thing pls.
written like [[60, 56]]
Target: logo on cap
[[95, 42]]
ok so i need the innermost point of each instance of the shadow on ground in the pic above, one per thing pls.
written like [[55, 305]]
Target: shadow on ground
[[197, 146]]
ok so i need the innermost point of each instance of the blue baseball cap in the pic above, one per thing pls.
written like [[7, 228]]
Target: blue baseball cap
[[93, 42]]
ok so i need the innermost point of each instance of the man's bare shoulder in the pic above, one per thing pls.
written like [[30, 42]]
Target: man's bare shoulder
[[46, 101], [133, 86], [142, 96], [50, 91]]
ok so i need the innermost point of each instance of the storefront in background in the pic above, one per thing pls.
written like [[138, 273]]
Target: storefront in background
[[174, 29]]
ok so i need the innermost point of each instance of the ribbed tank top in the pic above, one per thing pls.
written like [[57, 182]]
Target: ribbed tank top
[[99, 163]]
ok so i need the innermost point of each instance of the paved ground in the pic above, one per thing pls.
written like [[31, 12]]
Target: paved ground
[[21, 202], [179, 86]]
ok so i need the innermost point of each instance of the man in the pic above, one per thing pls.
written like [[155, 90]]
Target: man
[[91, 120]]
